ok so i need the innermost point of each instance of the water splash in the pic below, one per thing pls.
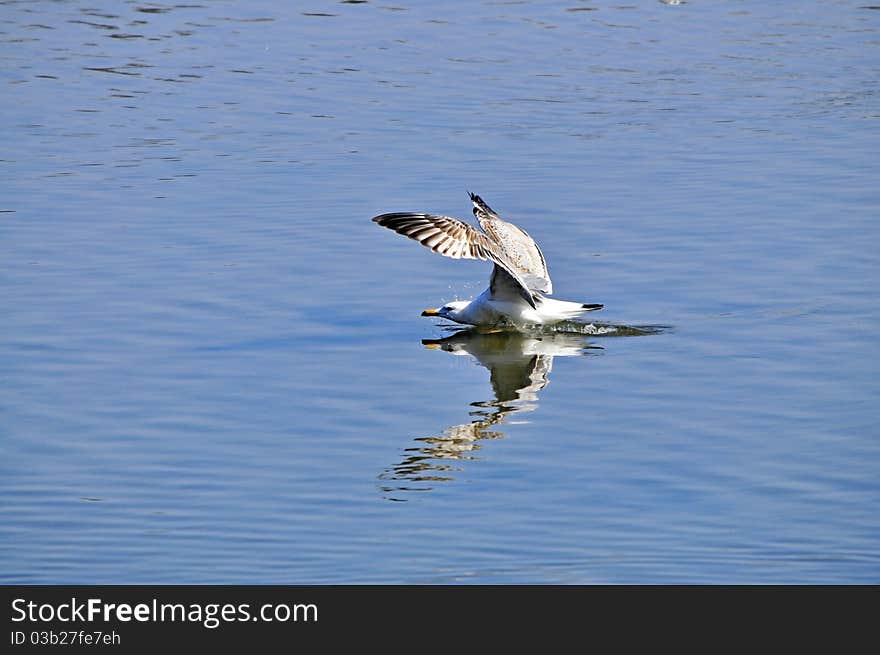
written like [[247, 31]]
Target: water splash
[[593, 329], [597, 329]]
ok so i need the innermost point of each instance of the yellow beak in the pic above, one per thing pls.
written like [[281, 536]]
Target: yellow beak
[[431, 312]]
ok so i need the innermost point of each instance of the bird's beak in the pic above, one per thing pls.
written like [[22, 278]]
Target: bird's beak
[[431, 312]]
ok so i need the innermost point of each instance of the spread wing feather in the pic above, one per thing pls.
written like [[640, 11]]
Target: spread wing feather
[[518, 247], [453, 238]]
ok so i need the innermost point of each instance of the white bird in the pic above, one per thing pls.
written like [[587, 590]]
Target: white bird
[[519, 280]]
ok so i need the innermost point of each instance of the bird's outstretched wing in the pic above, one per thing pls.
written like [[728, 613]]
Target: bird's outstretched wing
[[453, 238], [518, 247]]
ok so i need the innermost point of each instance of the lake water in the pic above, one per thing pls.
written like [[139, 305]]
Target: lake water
[[212, 364]]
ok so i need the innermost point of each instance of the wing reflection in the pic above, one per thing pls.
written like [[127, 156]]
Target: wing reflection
[[518, 368]]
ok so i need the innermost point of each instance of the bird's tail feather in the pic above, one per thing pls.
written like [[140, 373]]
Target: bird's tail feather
[[564, 309]]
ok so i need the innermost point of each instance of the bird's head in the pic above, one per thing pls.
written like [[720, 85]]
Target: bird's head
[[451, 310]]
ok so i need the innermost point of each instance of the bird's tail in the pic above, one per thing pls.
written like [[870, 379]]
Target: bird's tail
[[565, 309]]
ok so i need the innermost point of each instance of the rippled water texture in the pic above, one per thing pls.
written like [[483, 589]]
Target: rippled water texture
[[213, 367]]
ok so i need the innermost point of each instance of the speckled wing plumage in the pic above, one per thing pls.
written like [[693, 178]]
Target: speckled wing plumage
[[451, 237], [516, 245]]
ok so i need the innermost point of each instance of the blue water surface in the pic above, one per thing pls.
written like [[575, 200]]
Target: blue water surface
[[212, 364]]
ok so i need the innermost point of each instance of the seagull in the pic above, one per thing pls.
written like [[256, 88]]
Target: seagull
[[519, 284]]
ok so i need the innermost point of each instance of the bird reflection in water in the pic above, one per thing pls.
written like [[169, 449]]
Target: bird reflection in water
[[518, 364]]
